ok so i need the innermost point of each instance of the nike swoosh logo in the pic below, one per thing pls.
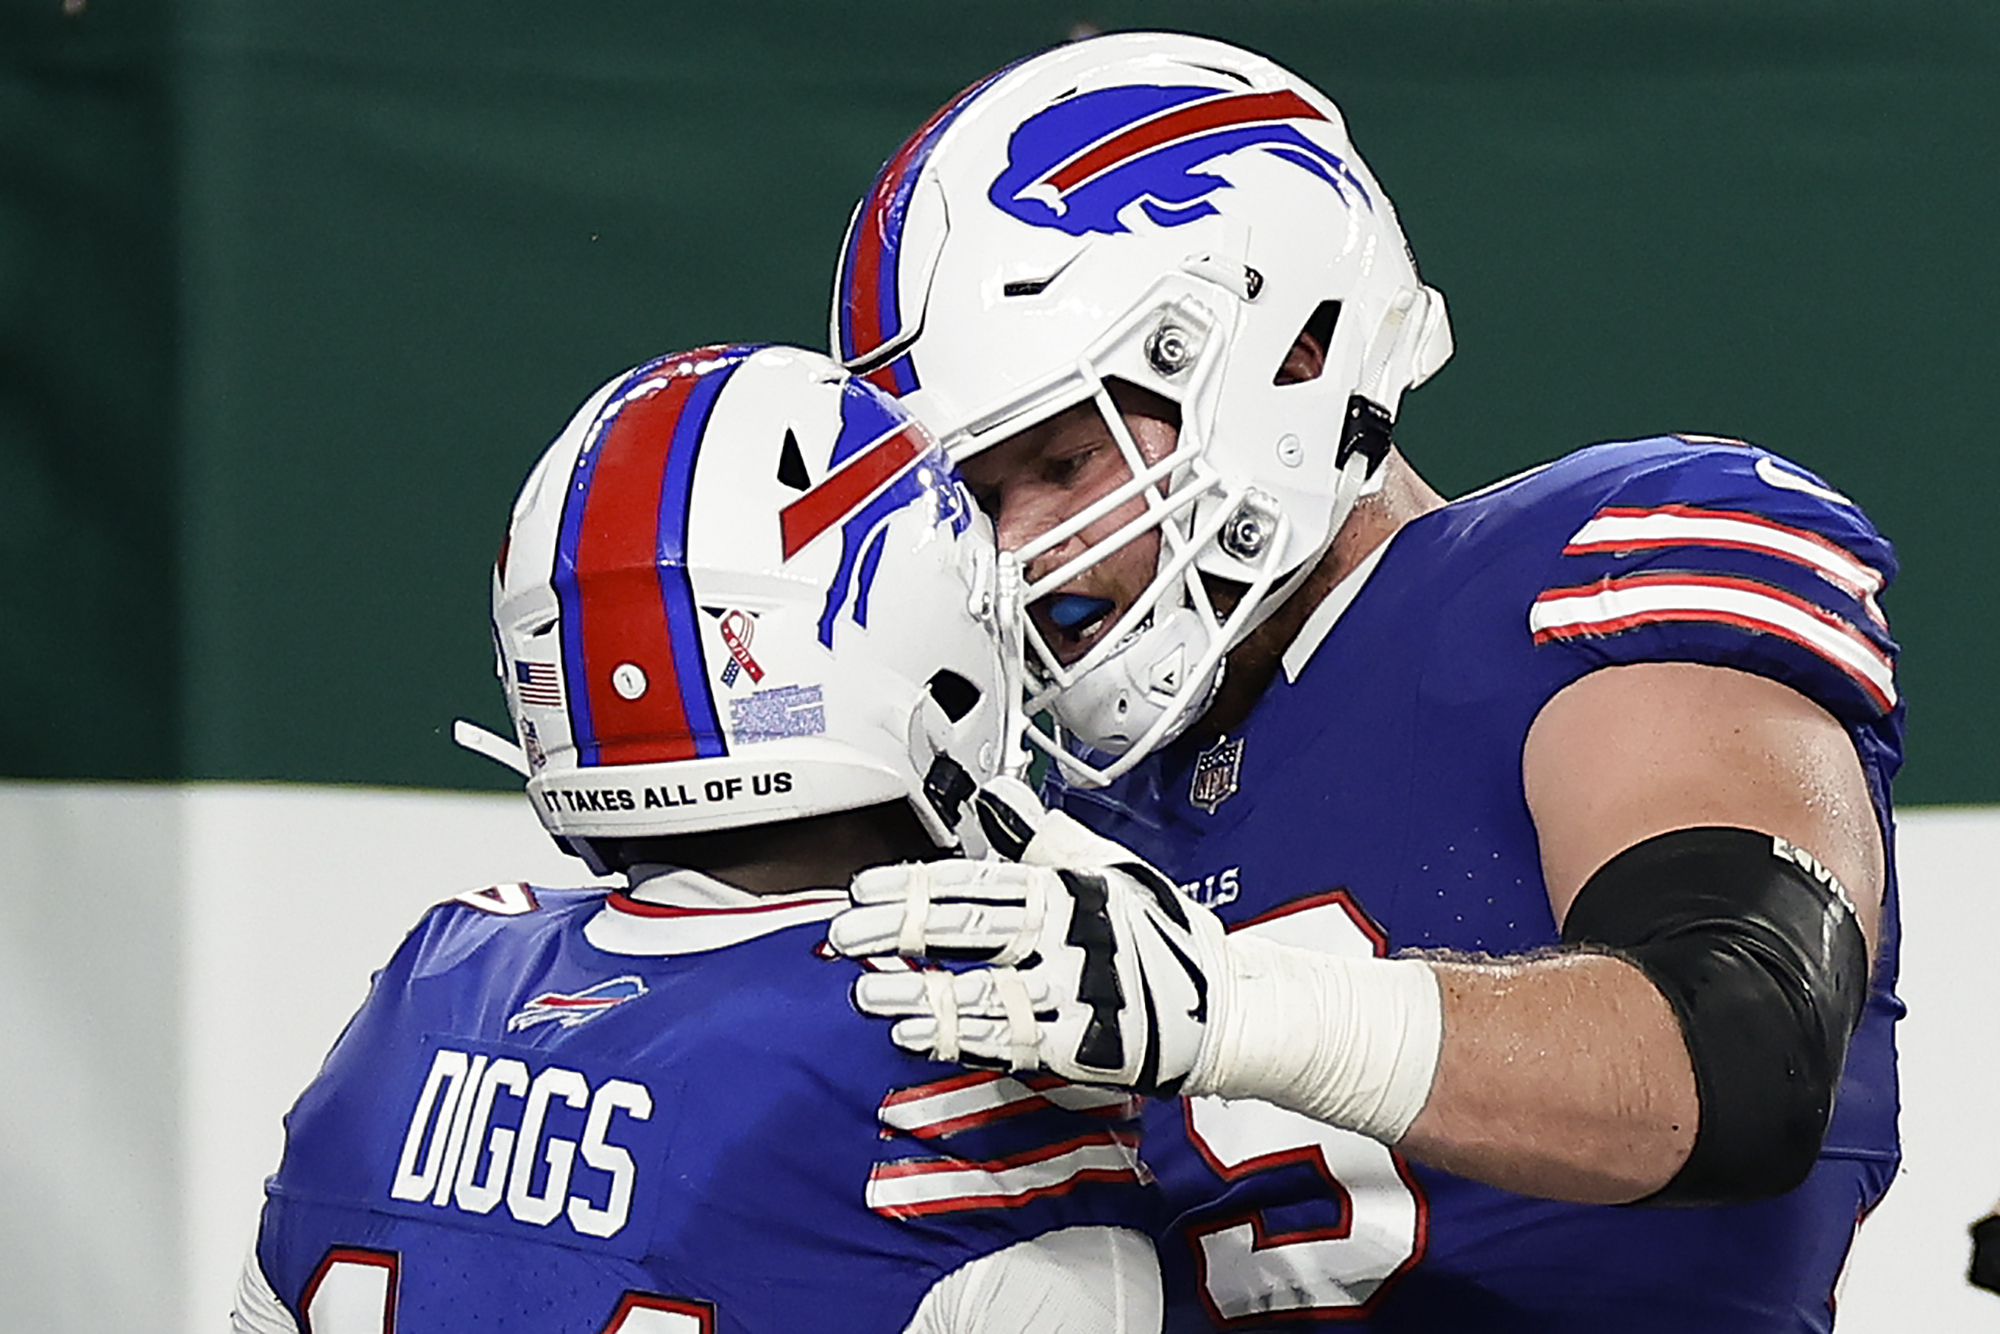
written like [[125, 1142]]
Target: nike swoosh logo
[[1785, 480], [1196, 978]]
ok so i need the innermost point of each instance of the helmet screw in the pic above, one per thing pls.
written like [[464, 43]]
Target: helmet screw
[[1290, 452], [1246, 533], [1170, 349], [629, 680]]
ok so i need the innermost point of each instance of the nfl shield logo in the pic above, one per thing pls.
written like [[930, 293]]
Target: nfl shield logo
[[1215, 772]]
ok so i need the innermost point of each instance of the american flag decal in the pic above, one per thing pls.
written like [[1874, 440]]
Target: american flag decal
[[538, 684]]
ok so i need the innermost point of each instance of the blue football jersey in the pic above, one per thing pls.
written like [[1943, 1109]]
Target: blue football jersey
[[568, 1112], [1373, 802]]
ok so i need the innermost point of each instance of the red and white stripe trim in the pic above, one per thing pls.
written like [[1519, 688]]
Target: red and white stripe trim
[[948, 1106], [809, 900], [649, 926], [1619, 529], [1613, 605], [913, 1187]]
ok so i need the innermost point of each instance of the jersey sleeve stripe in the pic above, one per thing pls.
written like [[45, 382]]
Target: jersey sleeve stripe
[[948, 1106], [1615, 605], [936, 1111], [1620, 530], [914, 1187], [1083, 1098]]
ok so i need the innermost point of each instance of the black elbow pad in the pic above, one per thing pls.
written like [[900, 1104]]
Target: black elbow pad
[[1756, 947]]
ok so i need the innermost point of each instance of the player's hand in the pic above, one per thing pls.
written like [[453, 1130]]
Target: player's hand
[[1094, 967]]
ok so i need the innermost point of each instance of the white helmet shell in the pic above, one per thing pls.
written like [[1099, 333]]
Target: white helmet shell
[[742, 587], [1171, 212]]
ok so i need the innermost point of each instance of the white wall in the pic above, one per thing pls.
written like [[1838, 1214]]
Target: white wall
[[174, 962], [90, 1144], [1907, 1271]]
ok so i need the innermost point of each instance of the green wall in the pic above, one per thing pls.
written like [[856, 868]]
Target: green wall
[[292, 294], [90, 637]]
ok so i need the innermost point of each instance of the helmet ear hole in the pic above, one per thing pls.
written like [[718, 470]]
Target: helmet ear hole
[[792, 464], [953, 693], [1305, 359]]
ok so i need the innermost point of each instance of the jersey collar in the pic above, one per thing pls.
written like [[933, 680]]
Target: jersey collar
[[1337, 600], [1342, 595], [672, 911]]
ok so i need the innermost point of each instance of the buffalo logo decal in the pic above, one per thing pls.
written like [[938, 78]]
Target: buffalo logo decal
[[882, 463], [1080, 164], [567, 1009]]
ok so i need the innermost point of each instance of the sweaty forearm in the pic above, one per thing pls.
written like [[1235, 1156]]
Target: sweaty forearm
[[1565, 1077]]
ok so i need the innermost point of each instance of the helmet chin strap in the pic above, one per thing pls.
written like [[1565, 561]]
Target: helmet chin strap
[[1367, 433], [492, 745], [1010, 614], [1364, 439], [1409, 326]]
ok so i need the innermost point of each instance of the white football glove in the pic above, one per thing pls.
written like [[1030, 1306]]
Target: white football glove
[[1096, 968]]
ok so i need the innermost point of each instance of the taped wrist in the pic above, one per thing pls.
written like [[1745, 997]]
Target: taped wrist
[[1756, 947], [1351, 1042]]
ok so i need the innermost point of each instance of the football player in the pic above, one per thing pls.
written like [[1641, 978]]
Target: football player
[[1533, 848], [744, 620]]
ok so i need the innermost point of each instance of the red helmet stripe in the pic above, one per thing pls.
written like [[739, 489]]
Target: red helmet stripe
[[835, 498], [616, 562], [870, 306], [1208, 114]]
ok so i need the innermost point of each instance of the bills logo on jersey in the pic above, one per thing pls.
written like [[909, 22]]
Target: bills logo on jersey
[[567, 1009], [1079, 165], [882, 463]]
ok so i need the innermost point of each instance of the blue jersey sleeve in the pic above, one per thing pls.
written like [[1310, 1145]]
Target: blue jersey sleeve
[[1720, 553]]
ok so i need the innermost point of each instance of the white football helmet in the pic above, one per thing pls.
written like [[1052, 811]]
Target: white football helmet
[[1171, 212], [743, 586]]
